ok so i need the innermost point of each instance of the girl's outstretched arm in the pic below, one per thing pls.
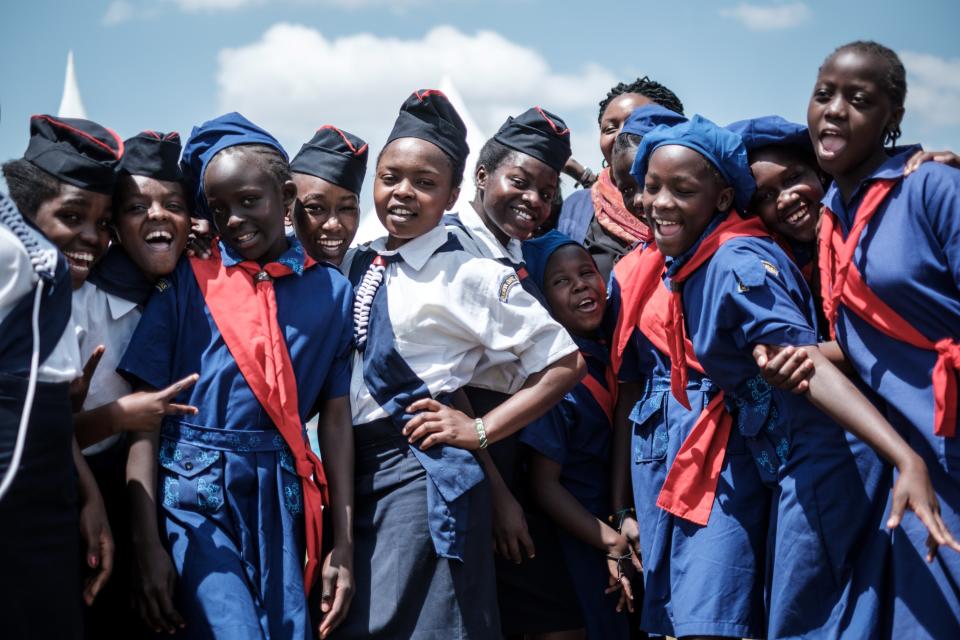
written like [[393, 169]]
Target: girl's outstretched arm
[[436, 423], [833, 393]]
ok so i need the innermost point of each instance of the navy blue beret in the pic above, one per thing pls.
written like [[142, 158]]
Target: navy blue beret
[[537, 133], [334, 155], [76, 151], [428, 115], [722, 148], [766, 131], [154, 155]]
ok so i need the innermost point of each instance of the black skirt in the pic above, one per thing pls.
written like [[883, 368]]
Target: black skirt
[[40, 592], [403, 588]]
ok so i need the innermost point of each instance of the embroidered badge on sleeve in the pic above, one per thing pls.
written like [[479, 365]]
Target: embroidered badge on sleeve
[[506, 285]]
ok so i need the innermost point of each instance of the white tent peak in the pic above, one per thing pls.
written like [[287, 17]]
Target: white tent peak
[[71, 106], [370, 227]]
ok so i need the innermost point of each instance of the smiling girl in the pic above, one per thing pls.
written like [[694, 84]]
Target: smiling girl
[[268, 331], [328, 172], [517, 177], [426, 313], [62, 187]]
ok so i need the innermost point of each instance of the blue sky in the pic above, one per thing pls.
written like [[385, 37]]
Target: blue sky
[[293, 65]]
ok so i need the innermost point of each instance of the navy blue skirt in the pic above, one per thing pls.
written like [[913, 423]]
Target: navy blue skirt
[[40, 594], [403, 588]]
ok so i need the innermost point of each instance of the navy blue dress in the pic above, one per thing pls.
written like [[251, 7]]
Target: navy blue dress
[[231, 513], [576, 435], [909, 256], [827, 549]]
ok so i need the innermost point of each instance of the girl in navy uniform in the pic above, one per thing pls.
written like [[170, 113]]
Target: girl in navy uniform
[[569, 467], [427, 312], [268, 330], [596, 217], [150, 224], [732, 287], [889, 269], [681, 597], [517, 177], [328, 172], [63, 186]]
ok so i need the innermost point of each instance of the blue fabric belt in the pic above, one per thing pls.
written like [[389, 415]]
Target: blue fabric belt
[[223, 439]]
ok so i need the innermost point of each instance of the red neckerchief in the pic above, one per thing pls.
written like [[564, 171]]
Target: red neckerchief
[[243, 304], [680, 348], [842, 284], [606, 397], [690, 487], [612, 215]]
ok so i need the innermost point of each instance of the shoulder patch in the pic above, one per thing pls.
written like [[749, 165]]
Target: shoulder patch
[[770, 267], [751, 272], [508, 283], [162, 285]]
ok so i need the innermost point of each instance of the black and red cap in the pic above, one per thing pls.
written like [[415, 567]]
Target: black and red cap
[[75, 151], [537, 133], [334, 155], [153, 154], [428, 115]]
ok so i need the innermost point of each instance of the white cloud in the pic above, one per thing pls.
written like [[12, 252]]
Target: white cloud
[[933, 89], [118, 12], [767, 17], [294, 79]]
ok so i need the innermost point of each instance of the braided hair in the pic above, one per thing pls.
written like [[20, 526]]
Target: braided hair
[[647, 88], [894, 77]]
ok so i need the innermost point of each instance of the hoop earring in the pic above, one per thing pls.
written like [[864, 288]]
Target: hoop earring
[[604, 163]]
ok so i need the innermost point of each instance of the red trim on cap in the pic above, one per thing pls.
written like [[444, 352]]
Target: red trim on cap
[[429, 92], [153, 134], [118, 152], [346, 140], [553, 125], [173, 136]]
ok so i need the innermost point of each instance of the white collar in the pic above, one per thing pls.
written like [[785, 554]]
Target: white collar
[[472, 220], [417, 251], [118, 306]]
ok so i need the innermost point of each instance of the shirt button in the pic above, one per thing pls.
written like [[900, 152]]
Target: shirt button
[[188, 466]]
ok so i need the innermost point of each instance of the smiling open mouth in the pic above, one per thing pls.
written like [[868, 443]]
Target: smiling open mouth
[[666, 228], [159, 240], [80, 260]]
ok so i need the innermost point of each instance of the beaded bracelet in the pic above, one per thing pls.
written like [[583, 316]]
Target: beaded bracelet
[[481, 432]]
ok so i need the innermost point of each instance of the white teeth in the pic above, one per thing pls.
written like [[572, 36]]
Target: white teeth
[[78, 256], [247, 236], [163, 236], [797, 215], [664, 223], [522, 213], [401, 211], [331, 244]]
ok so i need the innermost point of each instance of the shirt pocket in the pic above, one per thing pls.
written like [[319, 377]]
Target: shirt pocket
[[190, 477], [650, 437]]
